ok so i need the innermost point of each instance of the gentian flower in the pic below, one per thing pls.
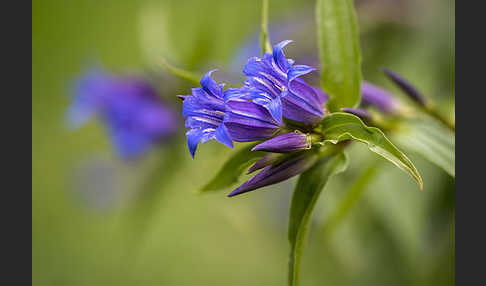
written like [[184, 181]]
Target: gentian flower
[[248, 120], [274, 82], [205, 111], [136, 118], [214, 114]]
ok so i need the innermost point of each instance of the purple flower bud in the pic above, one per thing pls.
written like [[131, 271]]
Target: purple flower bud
[[361, 113], [285, 143], [383, 100], [407, 87], [278, 172], [266, 160]]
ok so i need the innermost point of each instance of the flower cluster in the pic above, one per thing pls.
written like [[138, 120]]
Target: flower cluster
[[133, 113], [273, 96], [274, 104]]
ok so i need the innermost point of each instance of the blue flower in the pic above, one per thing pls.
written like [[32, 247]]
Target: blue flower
[[274, 82], [205, 111], [248, 120], [226, 116], [91, 94], [135, 117]]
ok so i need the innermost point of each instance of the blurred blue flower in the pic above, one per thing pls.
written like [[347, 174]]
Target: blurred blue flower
[[410, 90], [378, 97], [133, 113]]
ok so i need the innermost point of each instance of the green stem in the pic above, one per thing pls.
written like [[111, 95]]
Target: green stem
[[264, 37], [189, 76], [306, 193]]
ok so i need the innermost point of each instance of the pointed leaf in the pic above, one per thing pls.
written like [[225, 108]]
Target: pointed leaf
[[430, 139], [306, 193], [231, 171], [339, 52], [340, 126]]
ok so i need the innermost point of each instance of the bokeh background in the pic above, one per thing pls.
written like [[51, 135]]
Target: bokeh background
[[98, 220]]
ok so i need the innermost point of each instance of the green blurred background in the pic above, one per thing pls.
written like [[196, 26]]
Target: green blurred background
[[97, 220]]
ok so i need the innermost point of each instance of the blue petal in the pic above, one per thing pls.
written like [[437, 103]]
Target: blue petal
[[242, 132], [223, 136], [234, 93], [192, 108], [210, 85], [298, 70], [250, 111], [279, 56], [295, 108], [275, 109], [193, 137], [266, 73], [262, 84], [302, 102]]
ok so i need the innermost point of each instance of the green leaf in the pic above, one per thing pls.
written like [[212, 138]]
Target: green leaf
[[186, 75], [264, 37], [339, 52], [306, 193], [232, 170], [340, 126], [430, 139]]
